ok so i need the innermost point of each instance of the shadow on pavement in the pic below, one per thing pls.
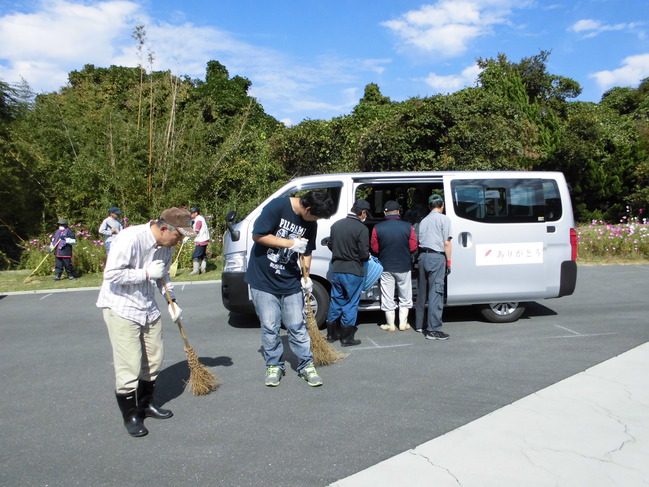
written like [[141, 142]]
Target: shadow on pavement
[[172, 381]]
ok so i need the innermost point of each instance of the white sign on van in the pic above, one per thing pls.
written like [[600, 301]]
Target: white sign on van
[[509, 253]]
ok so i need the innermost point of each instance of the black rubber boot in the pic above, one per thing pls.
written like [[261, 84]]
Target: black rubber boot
[[333, 331], [347, 336], [128, 405], [145, 392]]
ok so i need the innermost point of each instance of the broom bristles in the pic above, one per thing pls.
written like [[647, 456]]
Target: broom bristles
[[323, 353], [201, 380]]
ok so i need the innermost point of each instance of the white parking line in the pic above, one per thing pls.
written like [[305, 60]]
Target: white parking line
[[376, 345], [576, 334]]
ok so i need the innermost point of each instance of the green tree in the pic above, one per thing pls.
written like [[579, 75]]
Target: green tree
[[19, 190]]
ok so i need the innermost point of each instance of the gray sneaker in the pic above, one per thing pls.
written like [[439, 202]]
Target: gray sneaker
[[274, 374], [310, 375]]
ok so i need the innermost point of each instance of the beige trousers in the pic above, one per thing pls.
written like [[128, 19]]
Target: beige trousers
[[137, 350]]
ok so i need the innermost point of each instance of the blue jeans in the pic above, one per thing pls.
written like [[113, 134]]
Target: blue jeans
[[345, 296], [430, 284], [272, 310]]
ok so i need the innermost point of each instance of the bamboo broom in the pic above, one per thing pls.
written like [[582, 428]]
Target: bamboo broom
[[323, 353], [201, 380]]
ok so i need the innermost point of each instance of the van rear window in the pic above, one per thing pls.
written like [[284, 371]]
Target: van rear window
[[506, 200]]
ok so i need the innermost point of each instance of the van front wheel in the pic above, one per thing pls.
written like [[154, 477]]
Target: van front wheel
[[501, 312]]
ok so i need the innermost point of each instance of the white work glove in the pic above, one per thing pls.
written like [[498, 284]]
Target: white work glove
[[299, 245], [70, 241], [51, 247], [174, 312], [307, 285], [155, 269], [186, 239]]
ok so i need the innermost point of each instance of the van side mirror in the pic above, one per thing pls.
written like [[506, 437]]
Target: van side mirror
[[229, 220]]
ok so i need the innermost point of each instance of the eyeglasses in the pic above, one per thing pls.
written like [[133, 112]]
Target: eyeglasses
[[171, 227]]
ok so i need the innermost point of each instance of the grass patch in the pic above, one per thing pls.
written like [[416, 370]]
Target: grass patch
[[14, 281]]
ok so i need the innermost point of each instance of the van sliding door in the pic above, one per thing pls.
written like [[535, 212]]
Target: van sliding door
[[499, 231]]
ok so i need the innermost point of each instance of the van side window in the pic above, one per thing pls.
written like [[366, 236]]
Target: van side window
[[500, 200], [553, 209], [412, 197]]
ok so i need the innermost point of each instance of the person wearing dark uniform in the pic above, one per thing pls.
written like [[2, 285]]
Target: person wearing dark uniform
[[350, 248]]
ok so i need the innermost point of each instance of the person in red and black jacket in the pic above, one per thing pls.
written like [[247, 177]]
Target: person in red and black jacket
[[394, 241]]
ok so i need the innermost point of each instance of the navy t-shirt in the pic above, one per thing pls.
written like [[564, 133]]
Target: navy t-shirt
[[272, 269]]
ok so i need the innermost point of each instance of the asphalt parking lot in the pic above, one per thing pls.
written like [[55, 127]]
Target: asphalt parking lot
[[61, 425]]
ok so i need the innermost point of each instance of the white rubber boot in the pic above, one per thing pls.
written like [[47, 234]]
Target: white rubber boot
[[389, 317], [203, 266], [196, 270], [403, 319]]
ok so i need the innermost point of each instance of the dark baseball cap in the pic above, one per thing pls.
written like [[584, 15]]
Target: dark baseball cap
[[114, 209], [362, 205], [435, 197], [391, 206]]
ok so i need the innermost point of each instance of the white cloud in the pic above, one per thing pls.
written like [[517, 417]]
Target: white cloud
[[634, 69], [447, 28], [42, 47], [591, 28], [454, 82]]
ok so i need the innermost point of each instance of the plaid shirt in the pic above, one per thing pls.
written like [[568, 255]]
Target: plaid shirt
[[126, 289]]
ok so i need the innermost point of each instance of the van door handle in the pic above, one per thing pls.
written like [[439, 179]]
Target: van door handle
[[552, 229], [465, 239]]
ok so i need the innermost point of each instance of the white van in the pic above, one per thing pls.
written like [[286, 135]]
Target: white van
[[514, 239]]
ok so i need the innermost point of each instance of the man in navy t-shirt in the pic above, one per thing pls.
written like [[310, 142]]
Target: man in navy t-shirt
[[285, 229]]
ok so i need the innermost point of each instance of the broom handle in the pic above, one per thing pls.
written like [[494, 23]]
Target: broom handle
[[41, 263], [180, 325], [305, 273], [179, 251]]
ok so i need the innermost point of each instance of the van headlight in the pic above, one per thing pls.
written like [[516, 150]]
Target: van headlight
[[234, 262]]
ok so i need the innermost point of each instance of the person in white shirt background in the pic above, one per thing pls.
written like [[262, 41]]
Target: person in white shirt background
[[111, 226], [202, 240]]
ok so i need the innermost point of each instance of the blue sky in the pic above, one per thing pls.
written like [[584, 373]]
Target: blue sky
[[311, 59]]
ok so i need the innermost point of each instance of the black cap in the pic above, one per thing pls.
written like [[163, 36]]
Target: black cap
[[194, 209], [391, 206], [361, 205]]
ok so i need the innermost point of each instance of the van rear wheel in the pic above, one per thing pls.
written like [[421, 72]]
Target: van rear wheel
[[502, 312], [320, 303]]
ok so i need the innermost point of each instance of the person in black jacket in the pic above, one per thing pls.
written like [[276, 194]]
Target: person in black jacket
[[62, 242], [349, 243], [394, 241]]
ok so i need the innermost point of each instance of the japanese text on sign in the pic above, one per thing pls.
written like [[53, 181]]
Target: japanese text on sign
[[506, 254]]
